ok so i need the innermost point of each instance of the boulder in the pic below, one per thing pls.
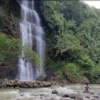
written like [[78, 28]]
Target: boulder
[[24, 84], [84, 80], [54, 92], [75, 96], [65, 95], [87, 97], [98, 81], [41, 78], [96, 96], [78, 98], [11, 27], [35, 85], [46, 84], [81, 79]]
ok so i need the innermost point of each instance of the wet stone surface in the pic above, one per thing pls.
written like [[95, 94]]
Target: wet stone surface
[[68, 92]]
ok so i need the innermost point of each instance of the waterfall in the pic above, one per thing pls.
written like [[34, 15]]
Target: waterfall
[[31, 33]]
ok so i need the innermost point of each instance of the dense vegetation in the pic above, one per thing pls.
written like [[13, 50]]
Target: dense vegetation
[[73, 35], [10, 44], [8, 48]]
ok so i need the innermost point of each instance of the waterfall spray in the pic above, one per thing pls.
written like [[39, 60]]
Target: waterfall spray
[[31, 30]]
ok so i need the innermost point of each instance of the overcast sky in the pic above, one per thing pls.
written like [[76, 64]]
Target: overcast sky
[[95, 3]]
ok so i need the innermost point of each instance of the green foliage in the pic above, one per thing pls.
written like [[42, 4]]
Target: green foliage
[[30, 55], [9, 47], [10, 8], [96, 72], [61, 66], [73, 35], [67, 42], [54, 20], [73, 69], [54, 64], [86, 65], [1, 59], [59, 74]]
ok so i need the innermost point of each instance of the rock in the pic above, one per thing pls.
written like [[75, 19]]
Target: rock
[[96, 96], [11, 27], [87, 97], [65, 99], [46, 84], [21, 94], [21, 84], [41, 78], [75, 97], [8, 69], [35, 85], [72, 97], [91, 93], [69, 77], [78, 98], [84, 80], [65, 95], [54, 92], [98, 81]]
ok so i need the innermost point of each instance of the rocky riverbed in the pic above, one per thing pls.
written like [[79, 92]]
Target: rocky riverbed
[[68, 92]]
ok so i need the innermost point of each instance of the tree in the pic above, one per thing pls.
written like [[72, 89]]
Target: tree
[[9, 47]]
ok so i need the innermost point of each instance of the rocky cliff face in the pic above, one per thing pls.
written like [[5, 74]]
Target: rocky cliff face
[[9, 25], [10, 16], [8, 69], [11, 28]]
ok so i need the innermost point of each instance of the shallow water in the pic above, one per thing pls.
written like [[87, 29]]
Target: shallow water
[[46, 93]]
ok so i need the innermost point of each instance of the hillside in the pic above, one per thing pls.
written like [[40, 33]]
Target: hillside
[[72, 36]]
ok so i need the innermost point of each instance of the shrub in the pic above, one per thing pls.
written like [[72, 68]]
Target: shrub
[[86, 65], [9, 47], [96, 72], [73, 69], [30, 55]]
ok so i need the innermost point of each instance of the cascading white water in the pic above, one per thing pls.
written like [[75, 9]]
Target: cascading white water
[[31, 30]]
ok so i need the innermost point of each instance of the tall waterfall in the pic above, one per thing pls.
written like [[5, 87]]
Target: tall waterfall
[[31, 33]]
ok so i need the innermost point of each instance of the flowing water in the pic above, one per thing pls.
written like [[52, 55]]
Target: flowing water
[[46, 93], [31, 34]]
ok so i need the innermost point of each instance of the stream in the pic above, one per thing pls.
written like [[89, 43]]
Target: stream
[[67, 92]]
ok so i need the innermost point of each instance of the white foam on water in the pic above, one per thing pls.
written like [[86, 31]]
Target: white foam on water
[[30, 29]]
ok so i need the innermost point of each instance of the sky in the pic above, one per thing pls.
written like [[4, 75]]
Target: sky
[[95, 3]]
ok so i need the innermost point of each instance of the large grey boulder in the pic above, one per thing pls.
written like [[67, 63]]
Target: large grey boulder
[[41, 78]]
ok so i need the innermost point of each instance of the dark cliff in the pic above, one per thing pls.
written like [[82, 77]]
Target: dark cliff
[[9, 25]]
